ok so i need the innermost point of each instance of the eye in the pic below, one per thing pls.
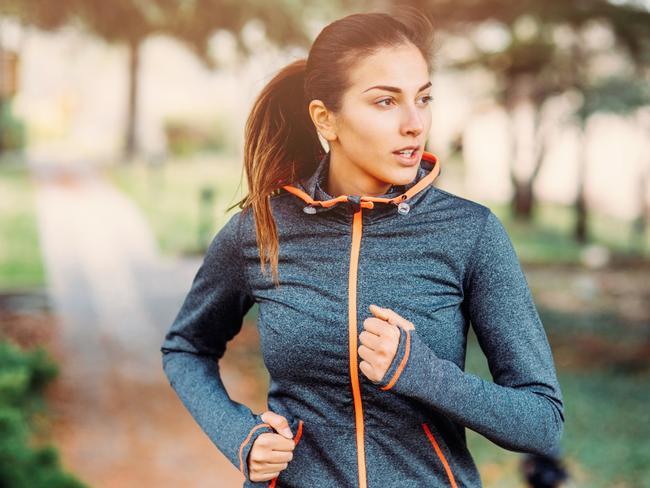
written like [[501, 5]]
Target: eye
[[384, 100], [427, 99]]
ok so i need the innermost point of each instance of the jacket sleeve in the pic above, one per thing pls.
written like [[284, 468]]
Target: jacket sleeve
[[522, 410], [212, 314]]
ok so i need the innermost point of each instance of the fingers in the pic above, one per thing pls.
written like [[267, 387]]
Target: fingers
[[264, 477], [391, 317], [268, 456], [271, 453], [278, 422], [272, 448], [367, 369], [277, 442], [377, 331], [370, 340]]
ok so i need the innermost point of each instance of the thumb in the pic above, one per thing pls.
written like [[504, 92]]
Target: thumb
[[278, 422], [391, 317]]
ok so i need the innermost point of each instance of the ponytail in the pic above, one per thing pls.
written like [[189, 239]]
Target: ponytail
[[280, 145]]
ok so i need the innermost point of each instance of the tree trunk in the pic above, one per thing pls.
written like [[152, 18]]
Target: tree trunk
[[580, 205], [131, 143], [523, 200]]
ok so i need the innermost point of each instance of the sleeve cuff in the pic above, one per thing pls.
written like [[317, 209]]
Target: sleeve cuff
[[411, 365], [399, 361], [244, 449]]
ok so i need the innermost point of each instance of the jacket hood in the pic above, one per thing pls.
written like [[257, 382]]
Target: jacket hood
[[310, 189]]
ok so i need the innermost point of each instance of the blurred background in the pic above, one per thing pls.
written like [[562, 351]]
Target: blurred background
[[121, 134]]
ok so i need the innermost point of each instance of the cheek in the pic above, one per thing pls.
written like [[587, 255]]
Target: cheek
[[427, 120], [367, 127]]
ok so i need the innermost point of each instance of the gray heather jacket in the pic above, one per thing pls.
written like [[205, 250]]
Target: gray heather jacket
[[440, 261]]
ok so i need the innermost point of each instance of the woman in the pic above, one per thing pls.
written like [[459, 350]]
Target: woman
[[375, 277]]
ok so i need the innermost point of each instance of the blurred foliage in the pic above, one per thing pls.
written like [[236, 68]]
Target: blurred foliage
[[187, 137], [24, 376], [21, 263], [193, 22], [629, 20], [12, 130], [614, 95]]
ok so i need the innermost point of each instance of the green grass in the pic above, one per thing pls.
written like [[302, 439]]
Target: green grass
[[169, 195], [549, 237], [606, 439], [20, 259]]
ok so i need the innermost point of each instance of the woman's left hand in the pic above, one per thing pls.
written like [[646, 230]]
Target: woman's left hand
[[379, 341]]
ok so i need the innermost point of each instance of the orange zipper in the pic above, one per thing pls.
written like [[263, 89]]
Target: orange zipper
[[441, 456], [357, 229], [296, 440]]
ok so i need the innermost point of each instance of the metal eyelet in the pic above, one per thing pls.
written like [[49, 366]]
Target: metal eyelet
[[403, 208]]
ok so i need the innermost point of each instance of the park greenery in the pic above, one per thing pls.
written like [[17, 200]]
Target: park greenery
[[534, 51], [543, 50], [24, 376], [21, 267]]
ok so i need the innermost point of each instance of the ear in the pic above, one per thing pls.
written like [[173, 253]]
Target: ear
[[323, 119]]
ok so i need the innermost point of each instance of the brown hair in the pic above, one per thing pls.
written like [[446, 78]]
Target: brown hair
[[281, 143]]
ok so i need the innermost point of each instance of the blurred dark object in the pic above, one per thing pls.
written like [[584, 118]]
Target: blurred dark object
[[543, 471], [206, 217]]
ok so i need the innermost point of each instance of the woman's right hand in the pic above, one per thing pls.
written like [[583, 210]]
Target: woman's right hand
[[271, 453]]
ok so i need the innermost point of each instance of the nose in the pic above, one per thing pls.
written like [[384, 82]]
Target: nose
[[412, 125]]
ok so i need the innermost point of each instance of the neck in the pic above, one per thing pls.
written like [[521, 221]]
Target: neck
[[345, 178]]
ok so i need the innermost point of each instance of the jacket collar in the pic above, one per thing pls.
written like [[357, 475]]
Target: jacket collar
[[310, 189]]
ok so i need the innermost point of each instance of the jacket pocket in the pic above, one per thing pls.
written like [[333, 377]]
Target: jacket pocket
[[296, 440], [440, 455]]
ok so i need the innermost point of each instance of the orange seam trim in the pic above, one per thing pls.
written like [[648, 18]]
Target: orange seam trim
[[450, 475], [427, 180], [296, 440], [241, 447], [352, 333], [402, 362], [308, 199]]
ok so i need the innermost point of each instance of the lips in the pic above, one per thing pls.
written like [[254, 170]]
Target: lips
[[407, 150], [409, 158]]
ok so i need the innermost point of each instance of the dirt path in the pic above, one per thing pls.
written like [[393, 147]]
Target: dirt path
[[118, 423]]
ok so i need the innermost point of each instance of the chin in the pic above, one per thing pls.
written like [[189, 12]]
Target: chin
[[404, 176]]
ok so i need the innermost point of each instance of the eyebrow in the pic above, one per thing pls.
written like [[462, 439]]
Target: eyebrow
[[395, 89]]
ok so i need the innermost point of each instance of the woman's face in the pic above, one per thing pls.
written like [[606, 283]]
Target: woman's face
[[385, 109]]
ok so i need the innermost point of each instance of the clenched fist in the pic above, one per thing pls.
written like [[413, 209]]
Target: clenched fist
[[379, 341], [271, 453]]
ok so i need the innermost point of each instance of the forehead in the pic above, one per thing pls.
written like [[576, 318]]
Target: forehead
[[401, 66]]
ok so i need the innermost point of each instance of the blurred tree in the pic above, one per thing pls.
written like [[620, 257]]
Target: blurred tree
[[193, 22], [129, 22], [533, 64], [39, 13], [615, 95]]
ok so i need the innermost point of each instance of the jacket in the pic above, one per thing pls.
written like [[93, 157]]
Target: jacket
[[440, 261]]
